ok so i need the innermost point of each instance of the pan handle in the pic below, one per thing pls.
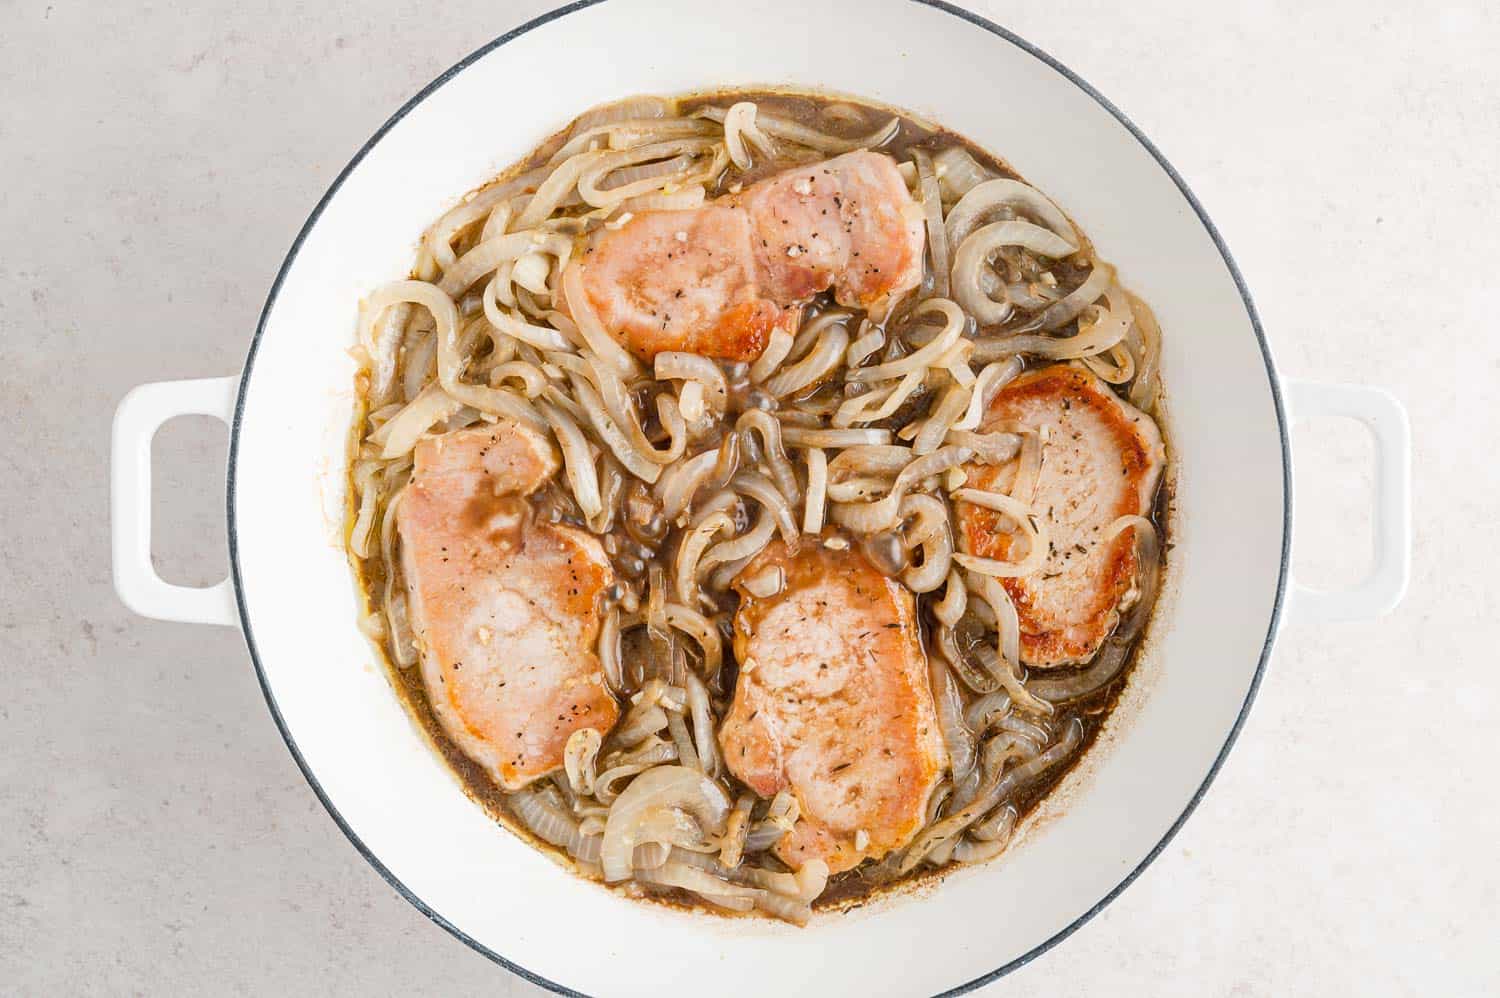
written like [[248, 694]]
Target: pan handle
[[139, 415], [1385, 417]]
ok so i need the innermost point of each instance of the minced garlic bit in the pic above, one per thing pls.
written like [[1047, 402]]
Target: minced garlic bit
[[802, 187], [837, 544], [681, 236], [861, 840], [794, 251], [485, 634]]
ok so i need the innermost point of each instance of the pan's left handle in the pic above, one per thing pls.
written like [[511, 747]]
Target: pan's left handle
[[139, 415]]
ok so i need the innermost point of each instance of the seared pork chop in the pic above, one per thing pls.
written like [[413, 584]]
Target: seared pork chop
[[1102, 460], [833, 701], [505, 609], [717, 280]]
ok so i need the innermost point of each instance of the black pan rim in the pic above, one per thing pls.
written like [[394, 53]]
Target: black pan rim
[[980, 22]]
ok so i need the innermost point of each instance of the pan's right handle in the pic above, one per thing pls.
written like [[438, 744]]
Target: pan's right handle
[[140, 414], [1385, 417]]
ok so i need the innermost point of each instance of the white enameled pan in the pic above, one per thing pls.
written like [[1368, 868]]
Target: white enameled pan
[[291, 591]]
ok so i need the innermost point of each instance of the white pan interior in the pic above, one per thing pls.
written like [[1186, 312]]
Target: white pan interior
[[395, 796]]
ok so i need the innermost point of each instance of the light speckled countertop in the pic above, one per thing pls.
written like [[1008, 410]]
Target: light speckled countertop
[[155, 162]]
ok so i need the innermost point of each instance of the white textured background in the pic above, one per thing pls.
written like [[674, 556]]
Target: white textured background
[[155, 162]]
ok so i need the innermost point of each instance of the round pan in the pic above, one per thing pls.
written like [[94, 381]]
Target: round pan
[[293, 594]]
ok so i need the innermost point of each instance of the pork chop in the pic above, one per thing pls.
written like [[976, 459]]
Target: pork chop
[[684, 280], [716, 280], [1102, 460], [847, 223], [504, 608], [833, 701]]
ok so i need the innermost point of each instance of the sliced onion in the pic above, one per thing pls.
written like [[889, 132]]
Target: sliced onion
[[1031, 527], [532, 380], [399, 434], [687, 754], [622, 444], [957, 737], [958, 172], [998, 791], [1006, 666], [674, 873], [592, 330], [942, 418], [740, 128], [983, 200], [995, 828], [987, 385], [817, 490], [690, 552], [682, 481], [580, 755], [642, 169], [932, 210], [760, 488], [984, 711], [369, 496], [622, 410], [638, 112], [736, 828], [674, 365], [886, 399], [953, 327], [1099, 336], [743, 547], [550, 823], [540, 337], [883, 460], [677, 200], [451, 359], [555, 189], [658, 752], [1145, 344], [778, 345], [968, 851], [930, 534], [785, 128], [625, 110], [883, 514], [701, 713], [973, 256], [439, 238], [826, 354], [950, 609], [865, 344], [701, 630], [785, 908], [802, 436], [768, 428], [609, 652], [662, 787], [989, 448], [643, 721], [1115, 365], [484, 258], [1068, 309], [578, 461]]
